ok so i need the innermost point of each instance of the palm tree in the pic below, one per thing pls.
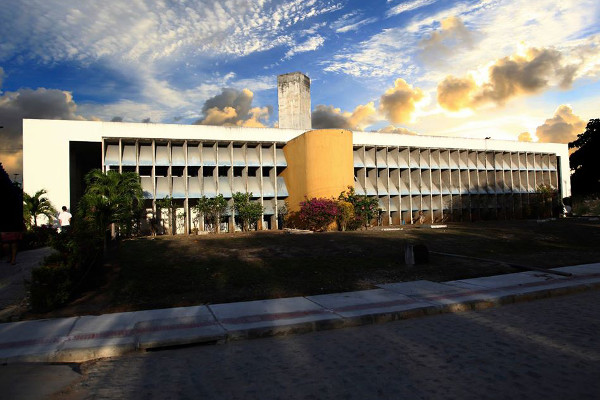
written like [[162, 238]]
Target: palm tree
[[37, 205], [111, 198]]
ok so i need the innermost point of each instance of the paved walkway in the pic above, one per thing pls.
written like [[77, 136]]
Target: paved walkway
[[84, 338], [12, 280]]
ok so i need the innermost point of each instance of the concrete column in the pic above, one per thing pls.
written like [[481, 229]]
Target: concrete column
[[293, 91]]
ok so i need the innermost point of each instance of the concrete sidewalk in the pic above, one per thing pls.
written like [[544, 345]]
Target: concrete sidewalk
[[79, 339]]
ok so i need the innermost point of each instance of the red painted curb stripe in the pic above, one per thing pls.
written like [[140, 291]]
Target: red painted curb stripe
[[271, 317]]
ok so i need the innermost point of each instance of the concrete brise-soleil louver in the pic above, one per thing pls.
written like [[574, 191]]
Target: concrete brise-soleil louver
[[415, 178]]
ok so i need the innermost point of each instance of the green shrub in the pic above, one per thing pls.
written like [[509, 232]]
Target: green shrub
[[38, 236], [50, 287], [345, 215]]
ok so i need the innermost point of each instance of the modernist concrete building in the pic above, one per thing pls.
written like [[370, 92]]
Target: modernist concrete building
[[415, 178]]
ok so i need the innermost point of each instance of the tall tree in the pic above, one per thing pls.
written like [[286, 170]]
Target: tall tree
[[248, 211], [585, 162], [212, 209], [36, 205]]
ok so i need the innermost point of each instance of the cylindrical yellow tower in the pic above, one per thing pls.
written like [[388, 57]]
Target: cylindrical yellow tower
[[320, 164]]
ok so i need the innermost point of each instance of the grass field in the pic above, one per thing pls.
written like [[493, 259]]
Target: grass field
[[170, 271]]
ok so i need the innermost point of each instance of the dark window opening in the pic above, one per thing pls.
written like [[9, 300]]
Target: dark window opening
[[208, 171], [145, 171], [193, 171], [177, 171], [223, 171], [252, 171], [238, 171], [161, 171], [83, 157]]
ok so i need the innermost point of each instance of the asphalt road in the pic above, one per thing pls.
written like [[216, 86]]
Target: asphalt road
[[546, 349]]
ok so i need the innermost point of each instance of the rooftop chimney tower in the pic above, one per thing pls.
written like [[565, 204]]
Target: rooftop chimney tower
[[293, 94]]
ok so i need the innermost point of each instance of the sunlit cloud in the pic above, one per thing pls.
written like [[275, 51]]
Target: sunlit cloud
[[451, 37], [563, 127], [233, 107], [12, 161], [508, 77], [496, 27], [525, 137], [398, 104], [397, 129], [324, 117], [29, 103]]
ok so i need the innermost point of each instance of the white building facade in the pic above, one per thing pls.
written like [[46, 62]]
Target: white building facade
[[415, 178]]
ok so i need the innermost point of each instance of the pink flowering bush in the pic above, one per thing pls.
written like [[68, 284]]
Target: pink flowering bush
[[317, 214]]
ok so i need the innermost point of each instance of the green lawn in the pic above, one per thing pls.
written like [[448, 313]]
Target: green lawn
[[188, 270]]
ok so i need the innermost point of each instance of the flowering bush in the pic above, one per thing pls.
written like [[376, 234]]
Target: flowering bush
[[317, 214], [365, 208]]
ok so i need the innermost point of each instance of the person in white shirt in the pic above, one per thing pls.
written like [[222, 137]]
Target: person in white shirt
[[64, 219]]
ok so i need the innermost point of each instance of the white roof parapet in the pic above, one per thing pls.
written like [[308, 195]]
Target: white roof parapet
[[451, 142], [94, 131]]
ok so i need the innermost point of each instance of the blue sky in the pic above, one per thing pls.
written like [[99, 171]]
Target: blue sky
[[509, 69]]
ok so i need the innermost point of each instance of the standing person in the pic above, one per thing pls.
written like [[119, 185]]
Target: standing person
[[64, 219]]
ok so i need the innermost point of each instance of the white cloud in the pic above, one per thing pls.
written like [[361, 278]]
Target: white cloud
[[163, 101], [500, 26], [131, 111], [350, 22], [310, 44], [408, 6], [354, 26], [139, 30], [385, 54], [146, 41]]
